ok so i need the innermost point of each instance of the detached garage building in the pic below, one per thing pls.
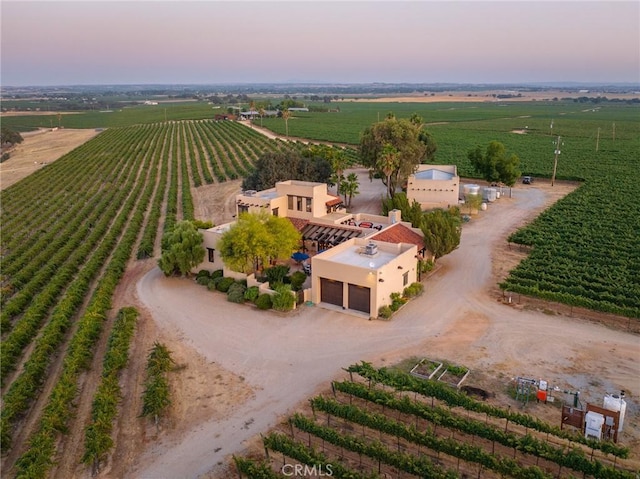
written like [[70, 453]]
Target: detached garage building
[[359, 275]]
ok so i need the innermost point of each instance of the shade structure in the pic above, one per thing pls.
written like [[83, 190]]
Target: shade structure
[[299, 256]]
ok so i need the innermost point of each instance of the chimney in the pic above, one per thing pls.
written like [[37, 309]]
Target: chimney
[[395, 216]]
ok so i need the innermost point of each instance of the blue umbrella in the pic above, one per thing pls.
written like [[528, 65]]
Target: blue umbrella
[[299, 256]]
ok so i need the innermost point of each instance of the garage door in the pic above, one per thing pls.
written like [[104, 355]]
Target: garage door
[[359, 298], [331, 291]]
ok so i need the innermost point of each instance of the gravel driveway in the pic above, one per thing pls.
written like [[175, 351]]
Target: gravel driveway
[[287, 358]]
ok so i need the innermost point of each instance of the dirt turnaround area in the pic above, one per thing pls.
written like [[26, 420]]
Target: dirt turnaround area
[[461, 317], [240, 371]]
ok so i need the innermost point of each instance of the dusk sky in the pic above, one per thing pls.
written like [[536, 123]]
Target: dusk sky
[[151, 42]]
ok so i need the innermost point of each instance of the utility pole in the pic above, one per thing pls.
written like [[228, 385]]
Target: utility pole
[[598, 139], [555, 161]]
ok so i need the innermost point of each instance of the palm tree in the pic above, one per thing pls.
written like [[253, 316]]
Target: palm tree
[[387, 163], [339, 163], [286, 114], [349, 188]]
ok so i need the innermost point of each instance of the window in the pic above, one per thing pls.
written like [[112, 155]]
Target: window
[[211, 254], [290, 202], [405, 278], [308, 205], [243, 209], [299, 205], [275, 211]]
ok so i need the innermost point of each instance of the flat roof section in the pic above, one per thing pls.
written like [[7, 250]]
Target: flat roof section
[[433, 174], [354, 256]]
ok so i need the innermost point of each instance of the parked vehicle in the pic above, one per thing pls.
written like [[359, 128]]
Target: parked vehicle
[[527, 180]]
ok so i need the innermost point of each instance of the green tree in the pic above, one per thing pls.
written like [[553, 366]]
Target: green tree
[[182, 249], [7, 135], [387, 164], [349, 188], [287, 165], [286, 114], [494, 165], [409, 212], [442, 229], [403, 135], [257, 239]]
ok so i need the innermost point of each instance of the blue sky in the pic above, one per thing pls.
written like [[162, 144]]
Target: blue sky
[[125, 42]]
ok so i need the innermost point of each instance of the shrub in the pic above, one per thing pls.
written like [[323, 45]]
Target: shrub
[[236, 293], [276, 274], [425, 266], [263, 301], [297, 280], [414, 289], [384, 312], [224, 284], [283, 300], [204, 274], [203, 280], [217, 274], [396, 301], [251, 294], [211, 285]]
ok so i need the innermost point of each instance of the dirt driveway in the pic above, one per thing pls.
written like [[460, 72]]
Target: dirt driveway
[[286, 358]]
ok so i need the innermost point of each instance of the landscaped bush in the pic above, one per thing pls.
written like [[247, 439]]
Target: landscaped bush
[[252, 293], [297, 280], [396, 301], [276, 274], [283, 300], [384, 312], [212, 284], [217, 274], [224, 284], [414, 289], [203, 280], [236, 293], [263, 301], [203, 273]]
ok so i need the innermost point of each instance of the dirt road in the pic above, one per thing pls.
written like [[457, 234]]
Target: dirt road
[[286, 358]]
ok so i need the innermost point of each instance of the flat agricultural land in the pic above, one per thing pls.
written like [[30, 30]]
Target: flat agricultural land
[[39, 149], [72, 231]]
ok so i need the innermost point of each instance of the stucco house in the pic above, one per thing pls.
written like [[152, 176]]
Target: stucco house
[[434, 186], [348, 250]]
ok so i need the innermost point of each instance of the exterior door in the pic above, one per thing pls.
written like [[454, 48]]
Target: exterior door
[[360, 298], [331, 291]]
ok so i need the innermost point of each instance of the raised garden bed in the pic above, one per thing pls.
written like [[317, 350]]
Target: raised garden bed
[[454, 375], [426, 368], [448, 373]]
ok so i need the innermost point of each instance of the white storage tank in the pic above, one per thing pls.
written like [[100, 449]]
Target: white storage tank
[[614, 402], [593, 425], [483, 207], [490, 194], [470, 189]]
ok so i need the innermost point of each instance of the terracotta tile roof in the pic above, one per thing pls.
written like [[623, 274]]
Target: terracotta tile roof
[[335, 201], [399, 233], [298, 223]]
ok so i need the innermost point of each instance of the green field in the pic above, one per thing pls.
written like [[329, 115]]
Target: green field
[[114, 117]]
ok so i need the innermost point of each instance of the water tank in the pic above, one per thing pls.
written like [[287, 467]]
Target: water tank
[[593, 425], [483, 207], [614, 402], [470, 189], [489, 194]]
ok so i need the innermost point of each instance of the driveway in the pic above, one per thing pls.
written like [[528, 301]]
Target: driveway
[[287, 358]]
